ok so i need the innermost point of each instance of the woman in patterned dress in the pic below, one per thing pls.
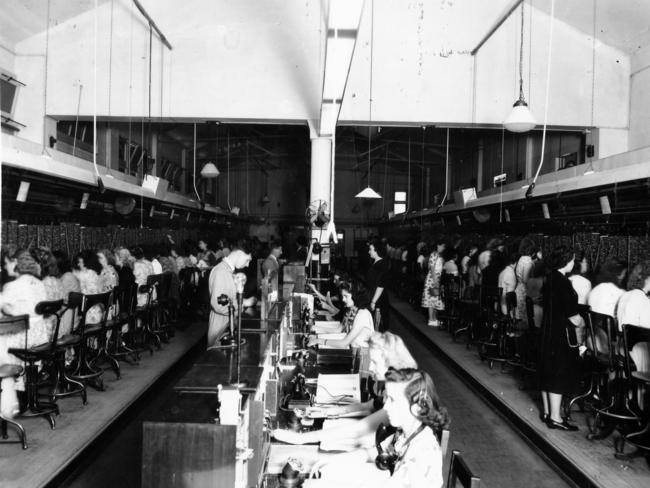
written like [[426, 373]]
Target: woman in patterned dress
[[431, 294]]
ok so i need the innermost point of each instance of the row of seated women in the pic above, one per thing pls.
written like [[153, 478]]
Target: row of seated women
[[557, 285], [401, 396], [30, 277]]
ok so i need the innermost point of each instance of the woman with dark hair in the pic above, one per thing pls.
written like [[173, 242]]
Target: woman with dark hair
[[108, 277], [559, 359], [534, 286], [69, 284], [605, 295], [523, 267], [357, 321], [87, 272], [377, 280], [413, 408], [431, 299], [9, 264], [579, 280], [142, 269], [450, 256], [51, 275]]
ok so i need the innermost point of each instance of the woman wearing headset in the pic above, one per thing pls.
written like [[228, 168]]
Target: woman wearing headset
[[412, 454], [385, 349]]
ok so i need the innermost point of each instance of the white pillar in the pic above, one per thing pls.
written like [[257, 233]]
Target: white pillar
[[321, 170], [321, 178]]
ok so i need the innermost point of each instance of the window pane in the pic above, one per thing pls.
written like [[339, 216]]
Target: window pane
[[399, 208], [400, 196]]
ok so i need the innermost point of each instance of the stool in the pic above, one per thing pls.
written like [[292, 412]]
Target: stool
[[34, 407], [9, 371], [84, 370]]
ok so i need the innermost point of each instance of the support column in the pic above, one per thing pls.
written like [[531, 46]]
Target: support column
[[321, 174], [321, 170]]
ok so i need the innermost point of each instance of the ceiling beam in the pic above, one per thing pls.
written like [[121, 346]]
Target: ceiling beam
[[343, 21]]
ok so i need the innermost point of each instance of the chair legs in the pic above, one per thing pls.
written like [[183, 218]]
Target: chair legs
[[34, 407], [64, 385], [104, 356], [21, 431], [85, 372]]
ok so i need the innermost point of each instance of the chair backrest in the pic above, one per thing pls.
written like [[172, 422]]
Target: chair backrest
[[491, 299], [603, 328], [530, 313], [85, 302], [511, 302], [55, 309], [632, 334], [154, 283], [14, 324], [460, 474]]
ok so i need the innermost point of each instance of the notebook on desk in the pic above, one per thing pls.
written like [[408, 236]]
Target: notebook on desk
[[338, 388]]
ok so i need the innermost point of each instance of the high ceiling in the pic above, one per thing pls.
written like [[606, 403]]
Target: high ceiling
[[21, 19], [624, 24]]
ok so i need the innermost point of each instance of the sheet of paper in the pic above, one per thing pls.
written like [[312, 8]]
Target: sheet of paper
[[338, 388], [333, 336], [326, 326]]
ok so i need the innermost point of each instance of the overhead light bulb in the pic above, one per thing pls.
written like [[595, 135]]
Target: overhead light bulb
[[520, 119], [210, 171], [368, 193]]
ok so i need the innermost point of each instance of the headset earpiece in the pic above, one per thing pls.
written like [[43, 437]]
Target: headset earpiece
[[420, 402]]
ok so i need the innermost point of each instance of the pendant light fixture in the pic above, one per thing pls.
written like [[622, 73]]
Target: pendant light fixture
[[368, 192], [210, 169], [520, 118]]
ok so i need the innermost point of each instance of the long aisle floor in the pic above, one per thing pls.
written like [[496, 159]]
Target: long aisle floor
[[491, 447]]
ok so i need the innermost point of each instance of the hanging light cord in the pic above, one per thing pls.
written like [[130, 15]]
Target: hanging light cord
[[228, 162], [194, 165], [95, 98], [408, 183], [47, 55], [444, 198], [503, 145], [529, 191], [372, 28], [521, 54]]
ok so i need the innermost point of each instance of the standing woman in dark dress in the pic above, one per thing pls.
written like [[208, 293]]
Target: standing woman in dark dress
[[377, 281], [559, 362]]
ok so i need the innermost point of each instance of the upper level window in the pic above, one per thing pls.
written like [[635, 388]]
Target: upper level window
[[399, 204]]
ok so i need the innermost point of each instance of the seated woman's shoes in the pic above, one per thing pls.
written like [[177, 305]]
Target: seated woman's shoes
[[544, 417], [564, 425]]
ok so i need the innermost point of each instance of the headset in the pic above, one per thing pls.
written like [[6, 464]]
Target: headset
[[421, 402], [420, 407]]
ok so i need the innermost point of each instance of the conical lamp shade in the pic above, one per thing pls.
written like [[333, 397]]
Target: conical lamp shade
[[520, 118], [367, 193], [210, 171]]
